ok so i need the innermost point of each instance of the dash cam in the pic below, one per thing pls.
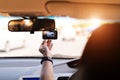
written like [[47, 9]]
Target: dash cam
[[49, 34]]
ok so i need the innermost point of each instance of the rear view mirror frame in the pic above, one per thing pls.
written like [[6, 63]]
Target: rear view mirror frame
[[31, 25]]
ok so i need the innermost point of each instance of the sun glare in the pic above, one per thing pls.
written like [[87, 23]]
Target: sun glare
[[96, 22], [28, 22]]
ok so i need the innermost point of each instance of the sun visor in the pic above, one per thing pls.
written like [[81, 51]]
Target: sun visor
[[84, 10], [23, 7]]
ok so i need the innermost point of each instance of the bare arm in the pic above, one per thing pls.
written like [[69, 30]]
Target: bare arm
[[47, 71], [47, 68]]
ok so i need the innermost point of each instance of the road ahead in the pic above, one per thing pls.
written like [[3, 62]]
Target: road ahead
[[70, 48]]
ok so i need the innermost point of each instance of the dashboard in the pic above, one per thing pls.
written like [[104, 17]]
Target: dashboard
[[30, 68]]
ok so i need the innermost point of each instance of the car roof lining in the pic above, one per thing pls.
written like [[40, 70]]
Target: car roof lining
[[96, 1], [84, 10], [104, 9]]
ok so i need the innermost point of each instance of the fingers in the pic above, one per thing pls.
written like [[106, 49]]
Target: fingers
[[45, 48], [51, 46], [41, 46], [43, 42], [47, 43]]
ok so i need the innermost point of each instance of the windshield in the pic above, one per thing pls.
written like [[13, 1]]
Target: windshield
[[72, 37]]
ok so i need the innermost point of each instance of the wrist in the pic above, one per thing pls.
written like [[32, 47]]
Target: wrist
[[46, 59]]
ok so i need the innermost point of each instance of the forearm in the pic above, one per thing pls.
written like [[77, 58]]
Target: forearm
[[47, 71], [47, 64]]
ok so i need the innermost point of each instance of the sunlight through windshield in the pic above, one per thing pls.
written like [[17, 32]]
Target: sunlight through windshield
[[72, 37]]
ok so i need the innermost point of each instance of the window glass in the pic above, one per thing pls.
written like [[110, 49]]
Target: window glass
[[72, 37]]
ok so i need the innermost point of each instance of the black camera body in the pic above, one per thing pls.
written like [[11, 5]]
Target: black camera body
[[50, 34]]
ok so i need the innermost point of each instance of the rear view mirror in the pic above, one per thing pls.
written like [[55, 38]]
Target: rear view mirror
[[31, 25]]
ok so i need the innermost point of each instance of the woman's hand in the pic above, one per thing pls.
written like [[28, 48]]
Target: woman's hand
[[47, 67], [46, 47]]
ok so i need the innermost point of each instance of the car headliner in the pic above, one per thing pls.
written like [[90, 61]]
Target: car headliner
[[105, 9]]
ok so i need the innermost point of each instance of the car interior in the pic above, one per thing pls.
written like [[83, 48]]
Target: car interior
[[74, 26]]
